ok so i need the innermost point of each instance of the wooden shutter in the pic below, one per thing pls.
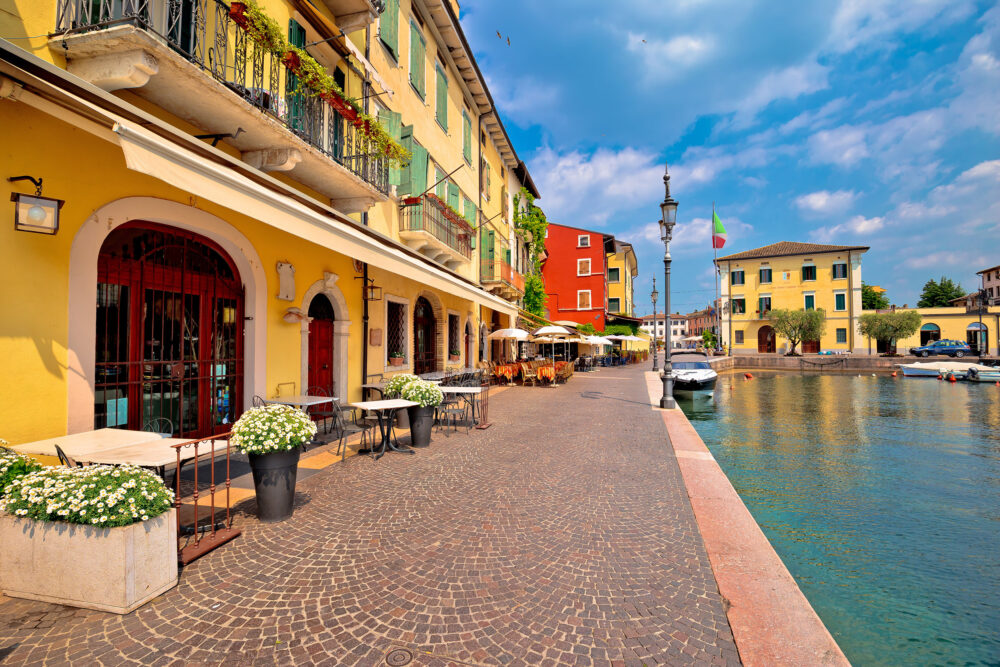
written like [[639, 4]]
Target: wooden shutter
[[405, 186], [418, 170], [466, 137], [296, 103], [417, 59], [470, 211], [442, 97], [453, 195], [392, 122], [388, 27], [441, 189]]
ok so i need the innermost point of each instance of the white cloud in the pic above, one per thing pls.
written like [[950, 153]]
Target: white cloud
[[843, 146], [525, 99], [858, 226], [700, 165], [665, 60], [814, 119], [695, 233], [932, 262], [875, 22], [788, 83], [824, 202]]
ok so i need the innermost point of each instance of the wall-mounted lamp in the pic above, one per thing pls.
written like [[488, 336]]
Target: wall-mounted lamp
[[371, 292], [35, 213]]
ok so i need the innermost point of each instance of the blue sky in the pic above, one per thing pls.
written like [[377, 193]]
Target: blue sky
[[869, 122]]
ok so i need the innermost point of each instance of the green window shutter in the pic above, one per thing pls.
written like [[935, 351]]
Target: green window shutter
[[470, 211], [441, 189], [388, 27], [392, 122], [466, 137], [442, 98], [760, 305], [405, 186], [296, 37], [418, 170], [506, 255], [453, 195], [417, 64]]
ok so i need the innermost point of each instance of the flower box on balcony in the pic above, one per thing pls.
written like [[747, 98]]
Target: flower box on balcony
[[109, 569], [411, 201], [292, 61], [237, 12]]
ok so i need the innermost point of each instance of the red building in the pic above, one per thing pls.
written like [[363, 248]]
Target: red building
[[574, 274]]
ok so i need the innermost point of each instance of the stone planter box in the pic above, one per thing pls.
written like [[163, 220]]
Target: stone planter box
[[109, 569]]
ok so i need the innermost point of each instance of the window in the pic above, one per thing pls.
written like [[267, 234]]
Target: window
[[484, 178], [469, 210], [738, 278], [764, 275], [583, 241], [441, 189], [808, 273], [583, 299], [453, 324], [841, 335], [441, 97], [739, 306], [453, 195], [466, 137], [810, 302], [764, 304], [614, 275], [839, 271], [614, 305], [388, 27], [583, 267], [840, 301], [395, 329], [417, 50], [738, 337]]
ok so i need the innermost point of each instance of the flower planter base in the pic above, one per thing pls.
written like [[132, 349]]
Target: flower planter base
[[274, 477], [396, 361], [421, 422], [108, 569]]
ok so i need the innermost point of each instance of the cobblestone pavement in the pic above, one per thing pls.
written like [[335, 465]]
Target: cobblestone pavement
[[561, 535]]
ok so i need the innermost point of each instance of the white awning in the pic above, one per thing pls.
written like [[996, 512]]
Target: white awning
[[152, 155]]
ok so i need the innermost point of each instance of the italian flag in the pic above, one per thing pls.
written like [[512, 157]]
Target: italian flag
[[718, 231]]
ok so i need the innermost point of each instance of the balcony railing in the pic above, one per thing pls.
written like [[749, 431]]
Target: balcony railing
[[497, 270], [202, 32], [429, 214]]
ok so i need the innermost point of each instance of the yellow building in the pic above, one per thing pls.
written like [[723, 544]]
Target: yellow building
[[222, 233], [980, 331], [793, 276], [622, 270]]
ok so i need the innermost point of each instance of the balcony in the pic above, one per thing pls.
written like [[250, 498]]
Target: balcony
[[192, 60], [431, 228], [352, 15], [499, 277]]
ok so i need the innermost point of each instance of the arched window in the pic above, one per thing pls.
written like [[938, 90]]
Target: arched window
[[929, 332], [977, 336]]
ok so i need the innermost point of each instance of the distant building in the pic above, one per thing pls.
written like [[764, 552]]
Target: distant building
[[622, 270], [678, 327], [991, 283]]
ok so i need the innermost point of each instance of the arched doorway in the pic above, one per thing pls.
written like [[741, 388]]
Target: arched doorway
[[169, 338], [929, 332], [976, 335], [424, 343], [321, 372], [766, 340]]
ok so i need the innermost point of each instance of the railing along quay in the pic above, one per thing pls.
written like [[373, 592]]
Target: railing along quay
[[202, 32]]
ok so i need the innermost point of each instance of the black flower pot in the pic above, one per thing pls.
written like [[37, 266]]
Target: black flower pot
[[421, 421], [274, 481], [403, 418]]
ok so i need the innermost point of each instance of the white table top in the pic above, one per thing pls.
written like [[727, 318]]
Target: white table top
[[461, 390], [79, 445], [390, 404], [153, 454], [302, 400]]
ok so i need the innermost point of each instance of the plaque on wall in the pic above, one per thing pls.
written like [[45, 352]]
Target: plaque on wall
[[375, 337]]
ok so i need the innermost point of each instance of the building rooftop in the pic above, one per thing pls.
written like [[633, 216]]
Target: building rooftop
[[992, 268], [784, 248]]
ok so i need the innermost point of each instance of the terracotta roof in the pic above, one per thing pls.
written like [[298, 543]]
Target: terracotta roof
[[783, 248], [992, 268]]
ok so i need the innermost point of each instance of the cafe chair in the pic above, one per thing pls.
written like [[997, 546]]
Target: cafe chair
[[345, 426], [66, 459], [160, 425], [324, 411]]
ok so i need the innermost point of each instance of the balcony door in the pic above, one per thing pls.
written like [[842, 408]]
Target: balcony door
[[424, 328]]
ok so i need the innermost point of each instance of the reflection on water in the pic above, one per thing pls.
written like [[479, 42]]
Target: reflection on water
[[881, 495]]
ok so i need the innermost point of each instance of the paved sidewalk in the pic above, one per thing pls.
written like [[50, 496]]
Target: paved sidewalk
[[561, 535]]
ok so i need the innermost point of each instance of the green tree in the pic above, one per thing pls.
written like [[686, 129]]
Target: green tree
[[890, 327], [534, 294], [938, 294], [708, 339], [619, 330], [798, 325], [873, 300], [586, 328], [530, 223]]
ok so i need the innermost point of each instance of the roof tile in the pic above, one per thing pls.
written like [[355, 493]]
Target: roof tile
[[783, 248]]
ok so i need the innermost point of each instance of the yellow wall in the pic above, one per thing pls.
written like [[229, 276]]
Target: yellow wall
[[623, 289], [953, 323]]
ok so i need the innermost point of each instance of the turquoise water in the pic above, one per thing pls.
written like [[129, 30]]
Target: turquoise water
[[882, 497]]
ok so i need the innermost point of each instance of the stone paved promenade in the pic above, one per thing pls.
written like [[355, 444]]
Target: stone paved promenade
[[561, 535]]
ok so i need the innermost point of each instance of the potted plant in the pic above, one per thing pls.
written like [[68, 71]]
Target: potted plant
[[116, 525], [393, 389], [396, 358], [454, 355], [14, 465], [428, 397], [272, 437], [237, 12]]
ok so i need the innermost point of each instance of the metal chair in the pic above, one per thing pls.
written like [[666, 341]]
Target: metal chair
[[324, 411], [258, 402], [453, 409], [160, 425], [347, 425], [66, 459]]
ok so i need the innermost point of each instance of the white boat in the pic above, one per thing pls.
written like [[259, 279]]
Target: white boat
[[691, 372], [977, 374], [935, 368]]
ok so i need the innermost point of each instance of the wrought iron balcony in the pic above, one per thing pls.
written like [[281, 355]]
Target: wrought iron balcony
[[430, 227], [193, 60], [499, 276]]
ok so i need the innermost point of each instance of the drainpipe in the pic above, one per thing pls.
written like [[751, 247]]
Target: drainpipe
[[364, 221], [850, 304]]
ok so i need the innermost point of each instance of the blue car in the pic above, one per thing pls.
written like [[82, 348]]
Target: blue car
[[953, 348]]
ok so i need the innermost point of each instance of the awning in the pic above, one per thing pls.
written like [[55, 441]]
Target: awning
[[152, 155]]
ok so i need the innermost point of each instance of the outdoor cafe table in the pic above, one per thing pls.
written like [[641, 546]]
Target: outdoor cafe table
[[467, 393], [384, 412], [302, 401]]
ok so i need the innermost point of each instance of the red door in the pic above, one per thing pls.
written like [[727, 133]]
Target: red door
[[321, 345], [766, 343], [810, 347]]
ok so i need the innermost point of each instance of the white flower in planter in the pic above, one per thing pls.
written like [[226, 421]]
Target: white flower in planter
[[425, 393], [272, 428]]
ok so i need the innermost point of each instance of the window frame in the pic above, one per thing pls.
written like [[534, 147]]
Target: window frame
[[405, 303], [737, 336], [590, 301], [760, 275], [837, 333], [760, 304], [805, 300], [617, 279], [618, 307], [590, 265], [815, 273], [732, 277], [580, 238], [840, 293], [743, 305], [834, 271]]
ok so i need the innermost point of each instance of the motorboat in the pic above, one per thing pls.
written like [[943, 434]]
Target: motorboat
[[958, 369], [692, 372], [983, 374]]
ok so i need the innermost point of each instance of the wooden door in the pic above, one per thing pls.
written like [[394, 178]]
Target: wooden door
[[810, 347], [321, 344], [766, 340], [424, 348]]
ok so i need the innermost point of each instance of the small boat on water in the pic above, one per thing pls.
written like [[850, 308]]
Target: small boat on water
[[977, 374], [957, 369], [692, 372]]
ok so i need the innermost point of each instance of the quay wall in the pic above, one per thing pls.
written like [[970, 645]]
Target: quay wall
[[815, 362]]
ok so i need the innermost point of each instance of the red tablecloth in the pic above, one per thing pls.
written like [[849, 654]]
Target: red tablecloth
[[507, 371]]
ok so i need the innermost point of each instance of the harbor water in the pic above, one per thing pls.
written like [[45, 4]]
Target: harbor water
[[882, 497]]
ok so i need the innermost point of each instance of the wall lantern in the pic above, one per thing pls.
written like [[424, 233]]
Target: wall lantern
[[35, 213], [373, 293]]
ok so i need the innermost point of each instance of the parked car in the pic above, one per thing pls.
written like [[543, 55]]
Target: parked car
[[953, 348]]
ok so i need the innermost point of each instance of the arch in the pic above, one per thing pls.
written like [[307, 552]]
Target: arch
[[82, 294], [766, 342], [426, 355], [929, 332], [440, 331], [328, 288], [977, 336]]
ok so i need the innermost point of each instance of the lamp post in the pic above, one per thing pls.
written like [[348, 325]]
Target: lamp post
[[668, 218], [654, 296]]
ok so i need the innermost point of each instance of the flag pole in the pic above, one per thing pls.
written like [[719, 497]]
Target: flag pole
[[715, 267]]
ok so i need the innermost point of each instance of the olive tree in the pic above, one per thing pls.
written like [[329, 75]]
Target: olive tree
[[798, 325], [890, 327]]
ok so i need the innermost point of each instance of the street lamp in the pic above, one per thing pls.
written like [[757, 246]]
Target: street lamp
[[654, 296], [668, 218]]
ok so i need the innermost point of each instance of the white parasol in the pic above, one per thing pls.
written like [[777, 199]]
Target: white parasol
[[552, 333], [508, 334]]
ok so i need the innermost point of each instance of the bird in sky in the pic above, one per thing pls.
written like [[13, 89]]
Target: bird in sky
[[508, 41], [499, 36]]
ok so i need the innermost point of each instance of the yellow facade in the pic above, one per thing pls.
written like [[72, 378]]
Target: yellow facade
[[801, 276], [48, 282], [622, 270], [954, 324]]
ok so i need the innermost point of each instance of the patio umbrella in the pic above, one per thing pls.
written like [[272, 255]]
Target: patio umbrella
[[509, 334], [554, 332]]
